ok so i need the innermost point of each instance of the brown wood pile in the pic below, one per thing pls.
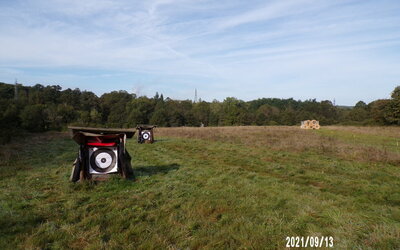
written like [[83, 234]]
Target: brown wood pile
[[310, 124]]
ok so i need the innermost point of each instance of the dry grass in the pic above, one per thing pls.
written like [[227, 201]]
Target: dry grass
[[379, 131], [294, 139]]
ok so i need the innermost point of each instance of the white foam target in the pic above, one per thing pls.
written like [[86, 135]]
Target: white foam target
[[103, 160]]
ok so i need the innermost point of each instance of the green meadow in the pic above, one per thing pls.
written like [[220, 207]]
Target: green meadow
[[212, 188]]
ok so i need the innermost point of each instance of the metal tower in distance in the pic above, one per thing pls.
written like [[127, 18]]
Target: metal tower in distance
[[16, 90]]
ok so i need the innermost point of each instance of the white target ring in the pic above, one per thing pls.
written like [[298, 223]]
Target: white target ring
[[146, 135], [103, 160]]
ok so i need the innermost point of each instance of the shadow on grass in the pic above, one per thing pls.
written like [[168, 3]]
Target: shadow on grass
[[161, 140], [154, 170]]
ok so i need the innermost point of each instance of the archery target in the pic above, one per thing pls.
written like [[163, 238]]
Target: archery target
[[146, 135], [103, 160]]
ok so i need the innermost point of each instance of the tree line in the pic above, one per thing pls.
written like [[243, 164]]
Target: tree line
[[41, 108]]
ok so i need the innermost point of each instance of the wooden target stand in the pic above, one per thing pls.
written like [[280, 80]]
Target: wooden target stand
[[102, 153], [145, 133]]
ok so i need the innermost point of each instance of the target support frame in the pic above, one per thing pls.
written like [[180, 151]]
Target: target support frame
[[145, 128], [87, 137]]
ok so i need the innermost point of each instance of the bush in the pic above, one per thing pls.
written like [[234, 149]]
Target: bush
[[33, 118]]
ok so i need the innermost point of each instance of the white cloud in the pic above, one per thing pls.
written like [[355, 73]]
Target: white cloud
[[271, 10]]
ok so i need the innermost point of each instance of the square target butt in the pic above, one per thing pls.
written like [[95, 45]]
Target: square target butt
[[103, 160]]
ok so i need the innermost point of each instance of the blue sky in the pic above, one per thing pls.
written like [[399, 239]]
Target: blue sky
[[342, 50]]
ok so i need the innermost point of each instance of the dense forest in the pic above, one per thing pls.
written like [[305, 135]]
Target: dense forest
[[40, 108]]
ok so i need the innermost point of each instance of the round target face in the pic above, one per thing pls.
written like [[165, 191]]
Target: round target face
[[103, 160], [146, 135]]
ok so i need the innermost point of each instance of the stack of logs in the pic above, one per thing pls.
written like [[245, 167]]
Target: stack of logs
[[310, 124]]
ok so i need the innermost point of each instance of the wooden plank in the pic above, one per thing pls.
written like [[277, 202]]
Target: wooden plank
[[144, 126], [104, 131]]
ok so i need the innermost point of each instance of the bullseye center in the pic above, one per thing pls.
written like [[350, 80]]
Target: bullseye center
[[103, 160]]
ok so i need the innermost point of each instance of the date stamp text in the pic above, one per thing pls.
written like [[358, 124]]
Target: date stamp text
[[309, 241]]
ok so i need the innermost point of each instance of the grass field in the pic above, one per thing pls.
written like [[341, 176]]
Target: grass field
[[229, 187]]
